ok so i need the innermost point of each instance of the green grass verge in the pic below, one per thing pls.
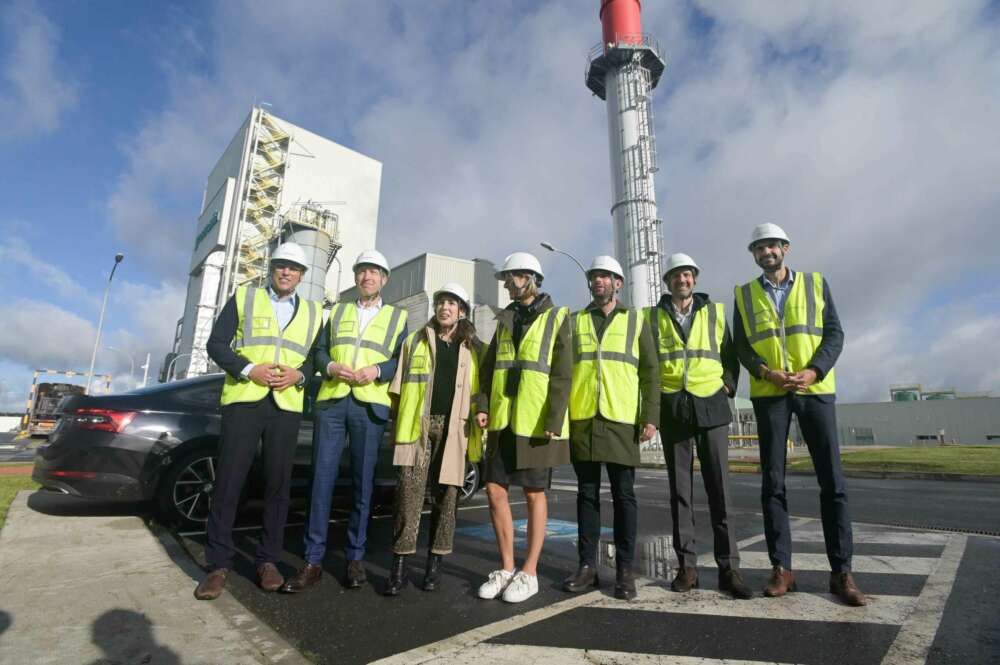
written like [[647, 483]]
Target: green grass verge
[[9, 486], [965, 460]]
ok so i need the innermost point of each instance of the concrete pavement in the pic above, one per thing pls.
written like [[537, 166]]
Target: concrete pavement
[[107, 589]]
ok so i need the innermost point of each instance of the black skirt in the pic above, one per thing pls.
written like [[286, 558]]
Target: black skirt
[[501, 466]]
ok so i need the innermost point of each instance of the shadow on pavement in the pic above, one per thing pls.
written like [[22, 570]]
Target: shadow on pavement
[[127, 637], [5, 622]]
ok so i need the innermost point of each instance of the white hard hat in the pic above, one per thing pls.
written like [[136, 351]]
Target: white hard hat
[[767, 231], [371, 257], [292, 253], [455, 289], [608, 264], [521, 261], [679, 260]]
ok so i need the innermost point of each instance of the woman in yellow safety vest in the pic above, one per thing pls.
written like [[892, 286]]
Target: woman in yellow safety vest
[[435, 430]]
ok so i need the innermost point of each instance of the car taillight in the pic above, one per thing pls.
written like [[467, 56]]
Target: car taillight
[[105, 420]]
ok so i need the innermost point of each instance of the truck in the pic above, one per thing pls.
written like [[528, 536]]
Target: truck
[[42, 415]]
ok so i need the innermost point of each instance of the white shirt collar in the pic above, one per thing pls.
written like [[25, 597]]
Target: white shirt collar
[[276, 298]]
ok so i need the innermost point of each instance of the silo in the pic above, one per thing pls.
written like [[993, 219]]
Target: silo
[[316, 244]]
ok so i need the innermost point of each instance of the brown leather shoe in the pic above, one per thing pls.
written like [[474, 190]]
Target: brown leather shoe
[[842, 586], [685, 580], [211, 587], [309, 575], [782, 581], [268, 577]]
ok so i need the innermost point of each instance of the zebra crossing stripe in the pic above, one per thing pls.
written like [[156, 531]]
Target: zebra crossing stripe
[[448, 649], [897, 565], [506, 654], [888, 610], [913, 642], [883, 538]]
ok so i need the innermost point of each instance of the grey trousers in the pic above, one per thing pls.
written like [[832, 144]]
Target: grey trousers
[[712, 447], [410, 497]]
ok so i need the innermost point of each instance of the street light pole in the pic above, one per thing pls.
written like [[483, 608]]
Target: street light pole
[[145, 372], [171, 363], [100, 322], [549, 246]]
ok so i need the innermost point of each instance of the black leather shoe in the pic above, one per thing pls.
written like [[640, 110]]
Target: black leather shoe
[[308, 576], [732, 583], [356, 577], [625, 584], [584, 577], [432, 575], [397, 576]]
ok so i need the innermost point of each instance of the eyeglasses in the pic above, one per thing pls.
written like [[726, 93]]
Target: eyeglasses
[[281, 265]]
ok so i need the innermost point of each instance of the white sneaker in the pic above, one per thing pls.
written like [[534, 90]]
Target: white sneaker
[[522, 587], [495, 584]]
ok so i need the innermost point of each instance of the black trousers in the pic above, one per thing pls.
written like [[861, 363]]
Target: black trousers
[[588, 510], [712, 447], [818, 420], [244, 426]]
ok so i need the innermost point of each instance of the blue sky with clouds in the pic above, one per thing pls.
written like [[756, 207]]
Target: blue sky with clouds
[[868, 130]]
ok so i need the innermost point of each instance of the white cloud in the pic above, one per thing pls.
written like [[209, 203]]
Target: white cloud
[[36, 90], [20, 264], [868, 130]]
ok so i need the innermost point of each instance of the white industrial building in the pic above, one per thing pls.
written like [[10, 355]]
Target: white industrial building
[[275, 182], [412, 285]]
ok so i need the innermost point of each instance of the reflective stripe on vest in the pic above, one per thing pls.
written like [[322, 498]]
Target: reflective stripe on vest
[[373, 346], [695, 366], [417, 381], [791, 342], [261, 340], [526, 412], [606, 370]]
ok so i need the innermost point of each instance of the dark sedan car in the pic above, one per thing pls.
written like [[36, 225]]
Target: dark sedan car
[[160, 443]]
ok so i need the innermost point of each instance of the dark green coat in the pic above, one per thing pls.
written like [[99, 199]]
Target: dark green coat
[[600, 440]]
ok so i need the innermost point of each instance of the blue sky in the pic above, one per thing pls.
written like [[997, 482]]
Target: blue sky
[[868, 130]]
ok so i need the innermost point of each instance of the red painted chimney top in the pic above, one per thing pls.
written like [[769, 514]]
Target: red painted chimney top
[[621, 21]]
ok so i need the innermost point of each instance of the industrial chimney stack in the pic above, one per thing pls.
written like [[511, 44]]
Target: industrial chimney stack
[[623, 70]]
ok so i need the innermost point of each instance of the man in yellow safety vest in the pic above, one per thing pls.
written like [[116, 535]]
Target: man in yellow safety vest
[[357, 353], [263, 340], [788, 336], [614, 404], [698, 376]]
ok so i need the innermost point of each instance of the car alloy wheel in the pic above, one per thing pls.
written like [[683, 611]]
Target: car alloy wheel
[[192, 489], [471, 481]]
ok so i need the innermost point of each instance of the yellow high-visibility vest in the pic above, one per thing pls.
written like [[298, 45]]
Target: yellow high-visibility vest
[[418, 378], [262, 341], [695, 366], [789, 343], [373, 346], [526, 411], [606, 370]]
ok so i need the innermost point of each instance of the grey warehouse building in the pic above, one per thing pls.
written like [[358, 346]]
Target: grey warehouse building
[[971, 420]]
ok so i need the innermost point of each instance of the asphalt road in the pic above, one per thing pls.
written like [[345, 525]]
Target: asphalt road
[[938, 589]]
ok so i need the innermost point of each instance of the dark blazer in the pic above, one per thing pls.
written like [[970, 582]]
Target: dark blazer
[[681, 411], [220, 343], [822, 361]]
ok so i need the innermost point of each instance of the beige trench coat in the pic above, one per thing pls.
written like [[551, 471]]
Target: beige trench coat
[[453, 461]]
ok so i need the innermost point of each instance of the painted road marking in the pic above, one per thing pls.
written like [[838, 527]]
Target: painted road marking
[[554, 530], [918, 618], [889, 610], [507, 654], [900, 565], [881, 537], [913, 642]]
